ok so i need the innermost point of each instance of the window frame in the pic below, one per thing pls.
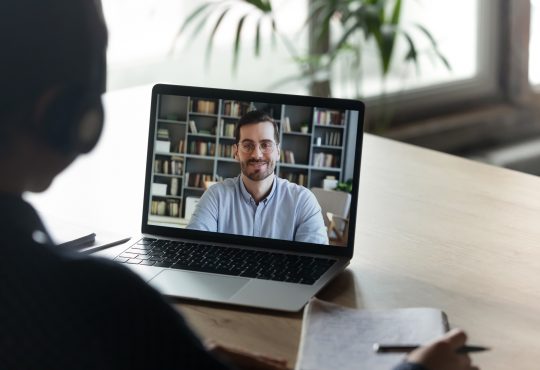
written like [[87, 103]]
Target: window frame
[[443, 98], [507, 114]]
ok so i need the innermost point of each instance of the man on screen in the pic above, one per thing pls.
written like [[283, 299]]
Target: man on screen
[[257, 202]]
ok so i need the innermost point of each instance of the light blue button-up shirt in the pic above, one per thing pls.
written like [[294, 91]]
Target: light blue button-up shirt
[[290, 212]]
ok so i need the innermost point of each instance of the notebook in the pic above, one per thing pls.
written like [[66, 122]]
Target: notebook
[[335, 337], [238, 221]]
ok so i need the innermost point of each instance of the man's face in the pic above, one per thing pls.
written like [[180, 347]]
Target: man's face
[[257, 151]]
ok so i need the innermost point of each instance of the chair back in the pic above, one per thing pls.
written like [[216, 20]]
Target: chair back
[[332, 201]]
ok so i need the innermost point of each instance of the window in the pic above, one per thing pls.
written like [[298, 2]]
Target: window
[[454, 24], [142, 34]]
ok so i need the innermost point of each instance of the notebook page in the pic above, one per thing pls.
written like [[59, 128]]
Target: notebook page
[[335, 337]]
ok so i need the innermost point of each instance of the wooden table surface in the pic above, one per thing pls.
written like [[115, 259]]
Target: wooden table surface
[[433, 230]]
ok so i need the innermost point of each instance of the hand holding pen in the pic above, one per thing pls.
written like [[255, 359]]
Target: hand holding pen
[[447, 353]]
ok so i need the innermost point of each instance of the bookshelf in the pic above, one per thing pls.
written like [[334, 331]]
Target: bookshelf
[[194, 140]]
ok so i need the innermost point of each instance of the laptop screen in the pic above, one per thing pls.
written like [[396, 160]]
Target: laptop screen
[[245, 165]]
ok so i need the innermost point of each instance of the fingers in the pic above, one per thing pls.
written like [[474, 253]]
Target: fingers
[[456, 338], [464, 361]]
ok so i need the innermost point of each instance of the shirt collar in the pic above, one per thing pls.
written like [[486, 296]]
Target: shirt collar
[[247, 197]]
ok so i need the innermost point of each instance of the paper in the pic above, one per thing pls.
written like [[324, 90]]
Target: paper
[[335, 337]]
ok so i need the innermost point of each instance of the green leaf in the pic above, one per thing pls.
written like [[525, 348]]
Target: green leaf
[[316, 8], [274, 31], [412, 54], [435, 46], [193, 16], [199, 27], [323, 24], [396, 14], [258, 38], [386, 46], [237, 41], [443, 59], [264, 6], [321, 17], [213, 33], [373, 23], [427, 34], [344, 40]]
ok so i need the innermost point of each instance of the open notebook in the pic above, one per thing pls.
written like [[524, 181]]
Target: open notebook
[[335, 337]]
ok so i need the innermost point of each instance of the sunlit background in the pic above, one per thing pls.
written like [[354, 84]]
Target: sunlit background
[[481, 108], [144, 48]]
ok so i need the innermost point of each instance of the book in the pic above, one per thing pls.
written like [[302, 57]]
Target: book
[[229, 130], [192, 127], [287, 125], [163, 134], [163, 146], [336, 337]]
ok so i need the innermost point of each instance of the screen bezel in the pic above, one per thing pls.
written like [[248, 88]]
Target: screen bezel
[[272, 98]]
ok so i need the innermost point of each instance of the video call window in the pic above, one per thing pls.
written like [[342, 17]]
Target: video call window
[[194, 150]]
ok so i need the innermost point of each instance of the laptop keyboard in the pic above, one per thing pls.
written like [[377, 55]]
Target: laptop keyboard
[[226, 260]]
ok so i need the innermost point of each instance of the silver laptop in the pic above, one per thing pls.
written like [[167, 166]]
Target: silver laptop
[[262, 215]]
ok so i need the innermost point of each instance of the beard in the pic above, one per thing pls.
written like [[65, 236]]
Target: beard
[[257, 169]]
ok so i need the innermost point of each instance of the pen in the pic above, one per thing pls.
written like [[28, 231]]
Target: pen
[[396, 348], [98, 248]]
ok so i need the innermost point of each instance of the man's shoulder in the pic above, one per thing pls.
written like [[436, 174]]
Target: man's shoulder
[[285, 186], [225, 187], [293, 193], [228, 183]]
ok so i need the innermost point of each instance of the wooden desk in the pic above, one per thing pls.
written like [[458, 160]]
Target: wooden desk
[[433, 230]]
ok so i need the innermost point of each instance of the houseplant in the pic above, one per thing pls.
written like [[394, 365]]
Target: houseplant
[[337, 29]]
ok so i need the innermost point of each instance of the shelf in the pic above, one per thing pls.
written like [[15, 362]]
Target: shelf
[[327, 147], [226, 159], [333, 169], [170, 154], [231, 117], [227, 137], [203, 114], [167, 175], [167, 220], [167, 196], [193, 188], [160, 120], [293, 165], [202, 135], [197, 156], [296, 133], [330, 126]]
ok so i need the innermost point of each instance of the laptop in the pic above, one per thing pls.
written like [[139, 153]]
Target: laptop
[[191, 164]]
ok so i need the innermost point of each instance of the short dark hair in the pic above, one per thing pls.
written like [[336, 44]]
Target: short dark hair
[[48, 44], [253, 117]]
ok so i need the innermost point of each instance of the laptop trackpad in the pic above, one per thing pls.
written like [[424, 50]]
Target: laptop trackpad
[[191, 284]]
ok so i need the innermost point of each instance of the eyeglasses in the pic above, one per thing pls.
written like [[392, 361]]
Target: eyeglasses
[[248, 147]]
